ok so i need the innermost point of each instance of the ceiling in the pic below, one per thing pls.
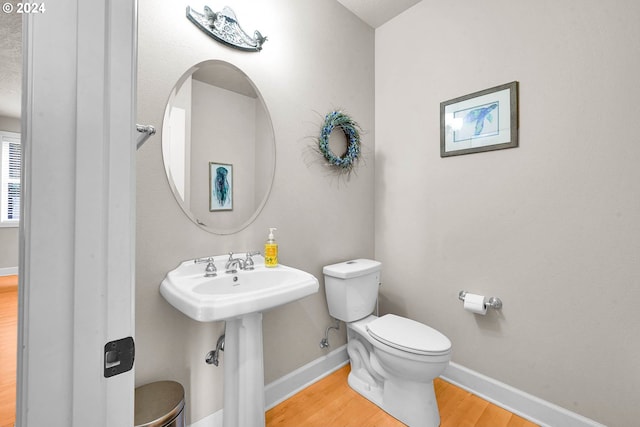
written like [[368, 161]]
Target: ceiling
[[373, 12], [223, 76], [377, 12]]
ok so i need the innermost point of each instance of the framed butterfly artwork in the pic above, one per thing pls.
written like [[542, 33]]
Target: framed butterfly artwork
[[482, 121]]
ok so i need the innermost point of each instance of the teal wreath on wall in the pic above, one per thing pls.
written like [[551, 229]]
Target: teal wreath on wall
[[338, 119]]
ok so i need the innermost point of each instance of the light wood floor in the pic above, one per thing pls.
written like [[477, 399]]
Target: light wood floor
[[332, 403], [8, 348]]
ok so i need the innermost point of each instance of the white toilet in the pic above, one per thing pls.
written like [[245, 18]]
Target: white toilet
[[393, 359]]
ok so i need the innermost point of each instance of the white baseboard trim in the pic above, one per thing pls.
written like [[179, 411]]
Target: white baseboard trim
[[213, 420], [285, 387], [8, 271], [534, 409]]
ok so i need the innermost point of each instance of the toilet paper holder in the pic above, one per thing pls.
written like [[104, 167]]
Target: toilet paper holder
[[491, 302]]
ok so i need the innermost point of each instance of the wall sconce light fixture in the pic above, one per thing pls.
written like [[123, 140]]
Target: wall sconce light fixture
[[223, 27]]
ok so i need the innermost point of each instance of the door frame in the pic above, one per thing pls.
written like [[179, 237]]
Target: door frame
[[77, 228]]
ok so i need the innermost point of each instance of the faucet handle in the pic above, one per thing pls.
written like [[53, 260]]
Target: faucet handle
[[251, 254], [248, 262], [210, 270]]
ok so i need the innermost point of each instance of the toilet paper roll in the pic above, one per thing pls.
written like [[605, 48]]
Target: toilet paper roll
[[475, 303]]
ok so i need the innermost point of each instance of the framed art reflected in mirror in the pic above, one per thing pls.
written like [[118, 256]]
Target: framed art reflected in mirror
[[220, 187]]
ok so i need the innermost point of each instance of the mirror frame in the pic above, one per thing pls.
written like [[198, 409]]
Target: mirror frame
[[165, 145]]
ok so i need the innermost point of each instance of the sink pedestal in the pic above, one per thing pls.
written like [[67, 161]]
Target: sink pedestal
[[243, 372]]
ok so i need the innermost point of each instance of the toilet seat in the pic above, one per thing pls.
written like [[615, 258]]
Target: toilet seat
[[408, 335]]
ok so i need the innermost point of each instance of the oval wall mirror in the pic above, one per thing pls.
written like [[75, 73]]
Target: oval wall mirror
[[218, 147]]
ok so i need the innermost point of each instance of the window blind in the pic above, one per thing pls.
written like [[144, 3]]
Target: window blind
[[10, 178]]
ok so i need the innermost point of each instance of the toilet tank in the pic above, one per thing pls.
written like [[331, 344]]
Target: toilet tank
[[352, 288]]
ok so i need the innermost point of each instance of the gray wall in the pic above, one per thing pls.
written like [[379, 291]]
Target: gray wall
[[551, 227], [318, 57], [9, 235]]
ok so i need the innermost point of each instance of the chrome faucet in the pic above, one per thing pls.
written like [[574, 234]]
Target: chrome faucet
[[240, 264], [210, 270], [231, 262]]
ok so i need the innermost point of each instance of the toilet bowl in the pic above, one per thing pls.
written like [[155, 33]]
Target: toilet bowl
[[393, 359]]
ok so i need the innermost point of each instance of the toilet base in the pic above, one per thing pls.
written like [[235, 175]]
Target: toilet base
[[411, 403], [407, 397]]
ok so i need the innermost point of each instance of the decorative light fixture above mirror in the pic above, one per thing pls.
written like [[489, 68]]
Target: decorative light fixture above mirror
[[224, 27]]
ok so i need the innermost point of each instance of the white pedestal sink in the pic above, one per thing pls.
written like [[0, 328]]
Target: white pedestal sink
[[239, 299]]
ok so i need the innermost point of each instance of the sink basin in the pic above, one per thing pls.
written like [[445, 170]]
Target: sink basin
[[210, 299]]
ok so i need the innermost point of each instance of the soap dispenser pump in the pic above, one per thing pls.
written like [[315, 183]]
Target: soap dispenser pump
[[271, 250]]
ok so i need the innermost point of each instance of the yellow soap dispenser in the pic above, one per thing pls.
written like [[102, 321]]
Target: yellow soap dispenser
[[271, 250]]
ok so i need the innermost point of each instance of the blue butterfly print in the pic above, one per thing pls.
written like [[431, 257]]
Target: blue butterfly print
[[479, 115]]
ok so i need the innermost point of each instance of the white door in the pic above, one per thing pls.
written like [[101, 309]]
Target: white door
[[78, 219]]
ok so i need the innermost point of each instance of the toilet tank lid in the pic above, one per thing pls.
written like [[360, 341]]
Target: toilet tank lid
[[353, 268]]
